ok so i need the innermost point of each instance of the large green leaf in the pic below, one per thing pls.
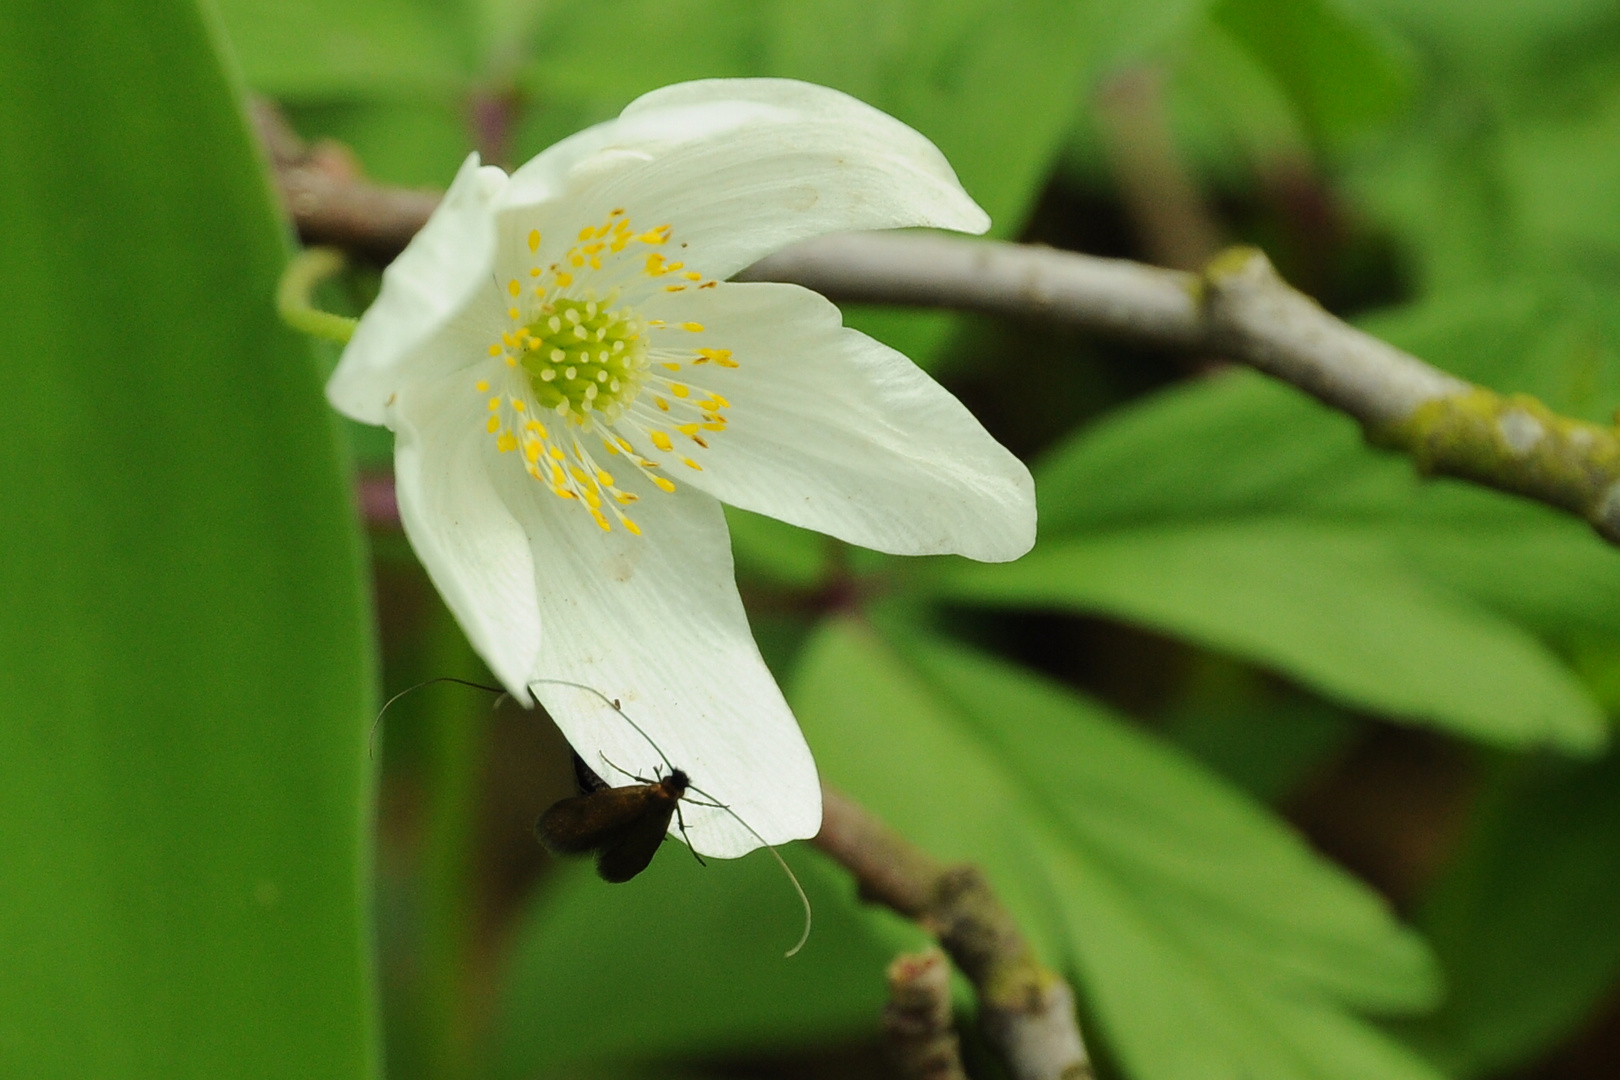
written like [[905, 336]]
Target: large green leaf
[[184, 659], [687, 960], [1241, 515], [1524, 923], [1331, 607], [1343, 74], [1208, 941]]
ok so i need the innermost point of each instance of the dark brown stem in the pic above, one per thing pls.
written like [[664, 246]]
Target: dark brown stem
[[917, 1021], [1025, 1009]]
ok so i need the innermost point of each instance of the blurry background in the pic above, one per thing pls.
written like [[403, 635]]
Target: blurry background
[[1240, 622]]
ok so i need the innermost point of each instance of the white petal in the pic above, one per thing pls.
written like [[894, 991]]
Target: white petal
[[473, 548], [839, 433], [655, 622], [743, 167], [423, 292]]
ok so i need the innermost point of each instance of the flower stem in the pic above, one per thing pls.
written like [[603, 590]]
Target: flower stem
[[307, 270]]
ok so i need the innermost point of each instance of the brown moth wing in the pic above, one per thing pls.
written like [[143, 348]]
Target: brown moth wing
[[598, 820], [630, 854]]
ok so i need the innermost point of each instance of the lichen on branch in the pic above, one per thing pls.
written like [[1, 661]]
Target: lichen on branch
[[1515, 443]]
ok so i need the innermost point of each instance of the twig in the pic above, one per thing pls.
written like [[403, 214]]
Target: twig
[[1025, 1009], [917, 1020], [1238, 307]]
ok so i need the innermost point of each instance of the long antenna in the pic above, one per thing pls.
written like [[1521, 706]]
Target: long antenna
[[614, 705], [371, 739], [713, 802]]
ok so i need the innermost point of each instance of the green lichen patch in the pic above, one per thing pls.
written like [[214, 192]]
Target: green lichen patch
[[1515, 443]]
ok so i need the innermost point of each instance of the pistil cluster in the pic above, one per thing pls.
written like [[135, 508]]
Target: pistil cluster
[[583, 368]]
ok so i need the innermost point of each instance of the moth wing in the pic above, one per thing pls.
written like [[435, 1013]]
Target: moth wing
[[585, 780], [590, 822], [630, 855]]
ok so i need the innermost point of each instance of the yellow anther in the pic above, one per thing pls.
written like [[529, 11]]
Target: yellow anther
[[660, 440], [578, 474], [537, 427], [556, 453], [715, 425], [708, 284], [576, 260], [535, 271], [680, 390], [534, 240], [725, 360], [694, 327], [519, 404], [513, 287], [663, 483], [586, 233], [687, 429], [494, 350], [626, 447], [604, 478], [655, 264], [627, 498], [494, 403], [610, 448], [690, 464], [591, 249], [532, 450], [513, 313], [494, 425], [482, 386], [692, 275], [558, 478], [564, 279], [506, 443], [674, 288], [661, 403], [670, 367], [723, 403], [601, 519], [631, 527]]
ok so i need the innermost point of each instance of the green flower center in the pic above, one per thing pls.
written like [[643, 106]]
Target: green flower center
[[581, 355]]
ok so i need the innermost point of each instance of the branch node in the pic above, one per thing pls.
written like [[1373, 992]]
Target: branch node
[[917, 1021]]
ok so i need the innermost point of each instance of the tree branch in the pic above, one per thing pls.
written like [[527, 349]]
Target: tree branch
[[1025, 1009], [1238, 307], [917, 1020]]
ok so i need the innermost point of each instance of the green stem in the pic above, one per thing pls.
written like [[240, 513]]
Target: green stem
[[307, 270]]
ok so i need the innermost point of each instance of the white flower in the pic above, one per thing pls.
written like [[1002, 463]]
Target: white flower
[[575, 387]]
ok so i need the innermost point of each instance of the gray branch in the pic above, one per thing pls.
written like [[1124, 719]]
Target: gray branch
[[1238, 308]]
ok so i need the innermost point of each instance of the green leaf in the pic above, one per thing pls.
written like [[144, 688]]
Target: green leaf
[[1344, 75], [185, 660], [1208, 941], [1333, 608], [1524, 921], [1240, 514], [687, 960], [307, 50], [996, 86]]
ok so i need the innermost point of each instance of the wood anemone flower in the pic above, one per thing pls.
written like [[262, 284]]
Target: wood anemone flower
[[575, 387]]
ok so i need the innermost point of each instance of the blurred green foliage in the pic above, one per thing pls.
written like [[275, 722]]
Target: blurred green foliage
[[185, 656], [1231, 589]]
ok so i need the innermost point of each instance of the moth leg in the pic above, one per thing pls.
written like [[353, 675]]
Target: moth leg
[[680, 823]]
